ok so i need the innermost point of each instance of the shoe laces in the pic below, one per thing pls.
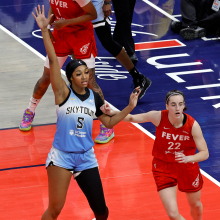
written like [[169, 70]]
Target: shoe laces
[[28, 116], [137, 82], [104, 130]]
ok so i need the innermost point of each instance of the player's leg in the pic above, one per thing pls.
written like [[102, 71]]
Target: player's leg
[[90, 183], [168, 198], [105, 134], [103, 32], [191, 182], [39, 91], [58, 183], [62, 50], [165, 176], [196, 208], [122, 33], [93, 85]]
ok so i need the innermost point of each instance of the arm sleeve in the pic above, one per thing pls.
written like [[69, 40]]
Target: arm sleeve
[[98, 104], [82, 3]]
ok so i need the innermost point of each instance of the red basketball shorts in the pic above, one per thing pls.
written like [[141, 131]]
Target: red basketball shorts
[[187, 176], [81, 43]]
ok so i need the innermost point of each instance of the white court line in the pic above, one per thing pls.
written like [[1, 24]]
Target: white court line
[[26, 45], [160, 10], [22, 42], [114, 108]]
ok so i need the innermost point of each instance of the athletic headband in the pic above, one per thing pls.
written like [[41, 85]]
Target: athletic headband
[[72, 65], [174, 93]]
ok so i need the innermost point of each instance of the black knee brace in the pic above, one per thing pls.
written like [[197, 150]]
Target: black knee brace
[[90, 183], [103, 32]]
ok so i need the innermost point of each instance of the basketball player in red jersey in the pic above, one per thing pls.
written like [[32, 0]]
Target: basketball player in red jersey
[[73, 34], [175, 161]]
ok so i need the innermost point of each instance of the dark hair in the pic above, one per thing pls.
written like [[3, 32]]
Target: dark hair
[[71, 66], [172, 93]]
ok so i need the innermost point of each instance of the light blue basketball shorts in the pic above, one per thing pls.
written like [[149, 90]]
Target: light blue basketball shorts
[[71, 161]]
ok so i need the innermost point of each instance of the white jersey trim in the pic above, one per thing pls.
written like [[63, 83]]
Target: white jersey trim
[[82, 3]]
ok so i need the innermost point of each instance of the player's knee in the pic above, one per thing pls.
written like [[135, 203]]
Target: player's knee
[[173, 215], [105, 37], [55, 213], [55, 210], [196, 204], [92, 84], [110, 45], [102, 214]]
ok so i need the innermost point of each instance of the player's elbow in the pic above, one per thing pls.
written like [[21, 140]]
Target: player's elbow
[[94, 16], [128, 118], [207, 154]]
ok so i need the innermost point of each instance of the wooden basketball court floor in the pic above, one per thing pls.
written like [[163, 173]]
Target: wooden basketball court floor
[[125, 162]]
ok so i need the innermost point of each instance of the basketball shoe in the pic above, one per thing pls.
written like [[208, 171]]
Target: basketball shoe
[[176, 26], [191, 33], [144, 84], [105, 135], [28, 117]]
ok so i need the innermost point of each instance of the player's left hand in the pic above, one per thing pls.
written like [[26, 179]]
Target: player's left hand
[[107, 10], [59, 24], [134, 97], [181, 158]]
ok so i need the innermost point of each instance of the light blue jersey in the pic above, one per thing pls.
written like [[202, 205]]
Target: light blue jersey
[[98, 6], [74, 124]]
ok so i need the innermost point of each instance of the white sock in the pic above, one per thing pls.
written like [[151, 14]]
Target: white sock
[[33, 104]]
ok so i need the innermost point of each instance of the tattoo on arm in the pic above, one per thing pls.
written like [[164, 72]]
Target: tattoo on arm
[[93, 84]]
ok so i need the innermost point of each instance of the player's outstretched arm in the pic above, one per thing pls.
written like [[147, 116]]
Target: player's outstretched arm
[[59, 86], [151, 116], [110, 122]]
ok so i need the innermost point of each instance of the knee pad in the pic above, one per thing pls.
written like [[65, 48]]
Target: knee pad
[[103, 32]]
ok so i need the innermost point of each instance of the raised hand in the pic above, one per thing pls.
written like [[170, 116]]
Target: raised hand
[[40, 18], [134, 97]]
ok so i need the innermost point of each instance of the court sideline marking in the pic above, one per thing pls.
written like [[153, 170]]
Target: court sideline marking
[[114, 108], [160, 10]]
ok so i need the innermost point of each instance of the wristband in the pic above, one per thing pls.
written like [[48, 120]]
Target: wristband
[[48, 26], [107, 3]]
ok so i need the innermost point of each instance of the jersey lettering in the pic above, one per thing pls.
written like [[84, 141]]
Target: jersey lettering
[[80, 109], [174, 137], [59, 3]]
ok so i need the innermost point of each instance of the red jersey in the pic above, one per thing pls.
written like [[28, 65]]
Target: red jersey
[[67, 9], [170, 140]]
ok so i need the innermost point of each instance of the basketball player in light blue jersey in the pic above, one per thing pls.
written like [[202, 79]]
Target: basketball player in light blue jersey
[[102, 28], [72, 152]]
